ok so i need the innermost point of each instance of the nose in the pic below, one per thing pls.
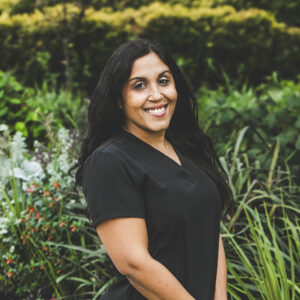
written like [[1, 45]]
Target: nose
[[155, 93]]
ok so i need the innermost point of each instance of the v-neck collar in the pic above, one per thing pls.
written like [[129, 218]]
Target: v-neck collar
[[156, 151]]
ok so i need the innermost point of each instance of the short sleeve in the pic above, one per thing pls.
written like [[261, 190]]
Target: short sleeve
[[109, 189]]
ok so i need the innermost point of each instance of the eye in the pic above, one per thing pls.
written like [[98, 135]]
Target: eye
[[139, 85], [164, 81]]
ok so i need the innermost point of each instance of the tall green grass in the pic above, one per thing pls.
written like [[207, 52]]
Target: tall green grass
[[261, 237]]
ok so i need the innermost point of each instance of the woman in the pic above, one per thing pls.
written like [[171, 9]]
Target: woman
[[154, 186]]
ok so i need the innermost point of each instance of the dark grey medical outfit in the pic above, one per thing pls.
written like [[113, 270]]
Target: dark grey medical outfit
[[126, 177]]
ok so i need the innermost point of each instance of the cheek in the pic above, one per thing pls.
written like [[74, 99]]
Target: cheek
[[133, 104], [171, 93]]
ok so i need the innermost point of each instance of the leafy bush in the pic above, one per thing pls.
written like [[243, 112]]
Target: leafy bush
[[287, 11], [13, 108], [47, 247], [271, 111], [39, 113], [245, 44], [28, 6]]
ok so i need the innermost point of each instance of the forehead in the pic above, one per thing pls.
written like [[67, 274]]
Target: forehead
[[148, 64]]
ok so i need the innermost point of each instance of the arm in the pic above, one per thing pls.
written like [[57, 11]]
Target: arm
[[221, 280], [156, 282], [126, 242]]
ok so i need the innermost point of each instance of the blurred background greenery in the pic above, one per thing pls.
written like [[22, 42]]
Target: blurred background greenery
[[241, 59]]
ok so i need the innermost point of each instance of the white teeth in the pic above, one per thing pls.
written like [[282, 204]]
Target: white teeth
[[156, 110]]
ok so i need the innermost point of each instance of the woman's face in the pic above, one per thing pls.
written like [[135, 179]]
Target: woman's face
[[149, 96]]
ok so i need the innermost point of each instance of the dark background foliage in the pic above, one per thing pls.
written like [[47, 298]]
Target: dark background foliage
[[246, 41]]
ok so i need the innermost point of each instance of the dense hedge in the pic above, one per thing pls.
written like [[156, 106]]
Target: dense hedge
[[287, 11], [28, 6], [206, 41]]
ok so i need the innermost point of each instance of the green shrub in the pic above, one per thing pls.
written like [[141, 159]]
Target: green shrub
[[271, 111], [13, 108], [47, 246], [247, 45], [39, 113], [287, 11], [205, 41], [28, 6]]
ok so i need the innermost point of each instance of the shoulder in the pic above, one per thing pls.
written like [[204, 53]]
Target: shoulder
[[107, 153], [112, 159]]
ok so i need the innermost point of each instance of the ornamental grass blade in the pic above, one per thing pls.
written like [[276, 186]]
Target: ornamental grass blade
[[104, 287], [273, 164]]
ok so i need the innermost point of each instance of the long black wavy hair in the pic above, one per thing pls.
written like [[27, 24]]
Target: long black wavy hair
[[106, 119]]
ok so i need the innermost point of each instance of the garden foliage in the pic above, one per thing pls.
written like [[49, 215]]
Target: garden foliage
[[271, 111], [286, 11], [261, 237], [39, 113], [47, 246], [246, 44], [49, 249]]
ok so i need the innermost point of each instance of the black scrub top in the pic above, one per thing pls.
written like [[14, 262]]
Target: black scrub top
[[127, 177]]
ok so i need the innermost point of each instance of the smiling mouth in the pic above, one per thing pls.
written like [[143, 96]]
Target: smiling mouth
[[157, 111]]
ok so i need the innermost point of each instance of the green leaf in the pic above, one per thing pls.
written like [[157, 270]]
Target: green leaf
[[221, 101], [253, 152], [270, 120], [297, 145], [283, 139], [293, 101], [15, 85], [225, 117], [3, 111], [276, 94], [32, 116], [20, 126], [15, 101], [3, 81]]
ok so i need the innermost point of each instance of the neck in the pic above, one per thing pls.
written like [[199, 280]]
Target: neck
[[155, 139]]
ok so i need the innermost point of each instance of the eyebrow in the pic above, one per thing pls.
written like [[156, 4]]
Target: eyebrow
[[144, 77]]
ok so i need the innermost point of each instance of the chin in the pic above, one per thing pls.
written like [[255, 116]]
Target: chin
[[158, 129]]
